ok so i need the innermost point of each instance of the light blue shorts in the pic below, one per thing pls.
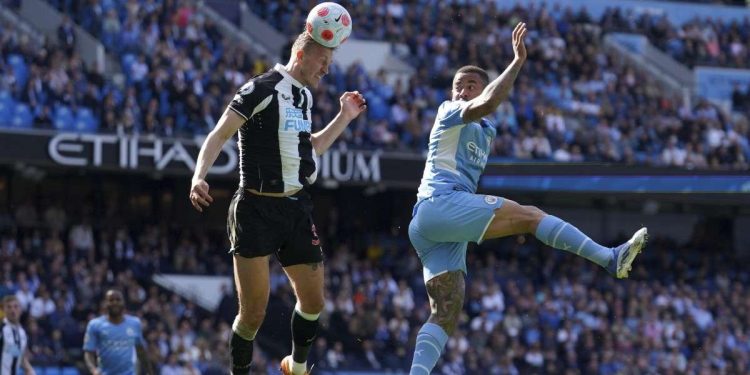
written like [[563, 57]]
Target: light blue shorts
[[443, 226]]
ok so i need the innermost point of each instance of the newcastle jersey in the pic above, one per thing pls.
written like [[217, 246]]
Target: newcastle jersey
[[13, 343], [276, 155]]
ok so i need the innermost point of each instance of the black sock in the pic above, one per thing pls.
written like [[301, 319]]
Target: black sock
[[303, 335], [240, 354]]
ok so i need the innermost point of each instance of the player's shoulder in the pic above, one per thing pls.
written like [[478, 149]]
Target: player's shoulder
[[450, 105], [132, 319], [98, 321], [260, 84], [267, 80]]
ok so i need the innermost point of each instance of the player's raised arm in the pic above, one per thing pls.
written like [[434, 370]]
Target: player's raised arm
[[227, 126], [352, 104], [498, 90]]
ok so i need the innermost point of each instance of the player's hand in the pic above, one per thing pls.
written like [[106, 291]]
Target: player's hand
[[96, 372], [352, 104], [519, 48], [199, 194]]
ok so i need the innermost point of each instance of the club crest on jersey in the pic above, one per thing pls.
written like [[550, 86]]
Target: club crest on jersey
[[130, 332], [246, 89], [489, 199], [295, 121]]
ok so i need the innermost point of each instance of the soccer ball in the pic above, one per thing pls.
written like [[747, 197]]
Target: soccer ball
[[329, 24]]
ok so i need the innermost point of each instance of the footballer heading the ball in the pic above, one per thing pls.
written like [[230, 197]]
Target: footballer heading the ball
[[329, 24]]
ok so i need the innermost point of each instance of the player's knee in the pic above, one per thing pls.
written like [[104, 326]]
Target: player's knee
[[253, 318], [532, 216], [312, 306]]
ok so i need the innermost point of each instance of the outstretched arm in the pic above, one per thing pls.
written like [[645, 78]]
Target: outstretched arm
[[352, 104], [498, 90], [228, 124]]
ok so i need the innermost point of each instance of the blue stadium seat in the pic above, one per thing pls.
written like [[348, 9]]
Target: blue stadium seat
[[22, 117], [70, 371], [51, 371], [6, 110], [85, 121], [63, 118], [20, 70], [5, 95]]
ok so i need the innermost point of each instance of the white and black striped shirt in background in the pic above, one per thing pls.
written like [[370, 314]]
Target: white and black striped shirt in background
[[13, 343], [276, 155]]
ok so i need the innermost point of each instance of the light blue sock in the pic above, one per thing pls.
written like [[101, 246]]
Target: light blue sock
[[431, 340], [561, 235]]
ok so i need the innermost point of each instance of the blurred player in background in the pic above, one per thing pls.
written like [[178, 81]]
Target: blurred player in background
[[113, 338], [449, 214], [13, 340], [271, 213]]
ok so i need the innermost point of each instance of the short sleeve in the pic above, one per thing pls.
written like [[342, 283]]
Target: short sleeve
[[91, 339], [250, 99], [450, 112]]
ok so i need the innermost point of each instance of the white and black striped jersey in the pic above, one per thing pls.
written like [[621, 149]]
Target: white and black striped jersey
[[13, 343], [276, 155]]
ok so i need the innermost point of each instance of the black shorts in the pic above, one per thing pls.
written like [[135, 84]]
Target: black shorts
[[259, 225]]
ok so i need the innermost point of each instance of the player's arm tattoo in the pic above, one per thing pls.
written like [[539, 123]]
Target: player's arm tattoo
[[446, 294], [144, 361], [315, 266]]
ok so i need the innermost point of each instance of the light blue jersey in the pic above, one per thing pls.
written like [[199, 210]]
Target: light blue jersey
[[448, 214], [457, 152], [114, 344]]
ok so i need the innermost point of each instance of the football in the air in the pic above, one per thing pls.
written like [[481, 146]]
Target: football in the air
[[329, 24]]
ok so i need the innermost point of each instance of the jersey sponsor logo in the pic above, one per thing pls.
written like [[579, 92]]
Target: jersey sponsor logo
[[489, 199], [476, 154], [295, 121]]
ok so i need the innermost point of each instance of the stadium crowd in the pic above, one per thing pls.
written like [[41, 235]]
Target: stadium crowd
[[574, 101], [529, 309], [180, 72]]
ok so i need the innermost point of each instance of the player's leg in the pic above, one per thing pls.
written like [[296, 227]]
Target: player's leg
[[307, 281], [512, 218], [444, 267], [252, 279], [446, 293], [253, 239], [302, 258]]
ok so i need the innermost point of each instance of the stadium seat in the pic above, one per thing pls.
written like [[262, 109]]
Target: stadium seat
[[20, 70], [63, 118], [69, 371], [22, 117], [51, 371], [85, 121], [7, 107]]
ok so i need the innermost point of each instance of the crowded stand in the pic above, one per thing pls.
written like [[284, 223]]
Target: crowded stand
[[529, 308], [180, 73]]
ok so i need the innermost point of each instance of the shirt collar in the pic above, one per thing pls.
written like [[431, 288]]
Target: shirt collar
[[282, 69]]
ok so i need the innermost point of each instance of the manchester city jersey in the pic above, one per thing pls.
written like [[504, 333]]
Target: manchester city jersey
[[457, 152], [114, 344]]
